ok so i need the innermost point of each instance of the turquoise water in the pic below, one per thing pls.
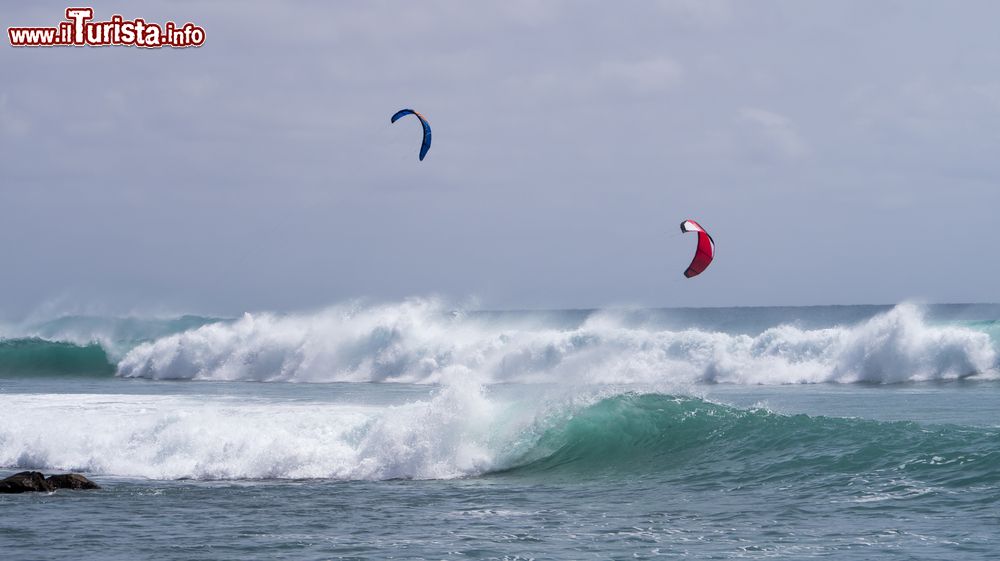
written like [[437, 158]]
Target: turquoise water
[[409, 431]]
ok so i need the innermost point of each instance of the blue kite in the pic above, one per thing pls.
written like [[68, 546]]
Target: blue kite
[[426, 144]]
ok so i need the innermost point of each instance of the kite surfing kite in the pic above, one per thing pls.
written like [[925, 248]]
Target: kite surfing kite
[[705, 252], [426, 144]]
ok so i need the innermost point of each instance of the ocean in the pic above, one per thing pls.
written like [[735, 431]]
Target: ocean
[[411, 430]]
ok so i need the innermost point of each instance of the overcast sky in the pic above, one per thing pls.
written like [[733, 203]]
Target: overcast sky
[[839, 152]]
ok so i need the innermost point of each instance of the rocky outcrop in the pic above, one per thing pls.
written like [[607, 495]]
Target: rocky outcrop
[[24, 482], [33, 481], [71, 481]]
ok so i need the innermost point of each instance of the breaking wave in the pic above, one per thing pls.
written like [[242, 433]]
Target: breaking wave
[[463, 431], [421, 342]]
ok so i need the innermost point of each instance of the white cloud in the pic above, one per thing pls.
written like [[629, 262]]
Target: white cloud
[[775, 132]]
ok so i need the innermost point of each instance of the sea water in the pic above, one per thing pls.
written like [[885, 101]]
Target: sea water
[[415, 431]]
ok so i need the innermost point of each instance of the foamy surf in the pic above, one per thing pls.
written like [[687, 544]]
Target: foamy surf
[[463, 431], [168, 437], [419, 342], [457, 432]]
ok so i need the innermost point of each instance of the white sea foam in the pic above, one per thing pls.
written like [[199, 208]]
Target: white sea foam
[[419, 342], [457, 432]]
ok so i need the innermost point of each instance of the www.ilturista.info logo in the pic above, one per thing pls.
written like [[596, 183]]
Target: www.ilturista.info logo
[[78, 30]]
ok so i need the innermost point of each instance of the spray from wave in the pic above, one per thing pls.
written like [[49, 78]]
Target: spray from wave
[[420, 342]]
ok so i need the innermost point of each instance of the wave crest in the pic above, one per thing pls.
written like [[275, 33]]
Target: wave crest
[[464, 431], [419, 342]]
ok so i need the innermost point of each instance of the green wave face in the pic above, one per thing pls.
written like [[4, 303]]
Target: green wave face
[[37, 357], [82, 346], [700, 442]]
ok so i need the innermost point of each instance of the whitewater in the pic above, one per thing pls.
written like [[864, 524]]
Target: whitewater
[[364, 430]]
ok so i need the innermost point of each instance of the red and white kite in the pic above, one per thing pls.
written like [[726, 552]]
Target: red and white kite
[[705, 252]]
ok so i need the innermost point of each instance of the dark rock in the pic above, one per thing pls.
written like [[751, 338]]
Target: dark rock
[[24, 482], [71, 481], [28, 481]]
